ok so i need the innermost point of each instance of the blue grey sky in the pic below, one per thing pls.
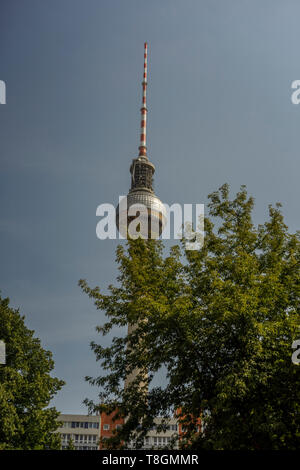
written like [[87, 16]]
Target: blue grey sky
[[219, 101]]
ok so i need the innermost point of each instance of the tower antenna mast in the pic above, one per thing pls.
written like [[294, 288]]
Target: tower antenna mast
[[142, 147]]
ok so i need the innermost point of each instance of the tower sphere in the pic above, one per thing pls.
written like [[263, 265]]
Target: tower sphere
[[144, 206]]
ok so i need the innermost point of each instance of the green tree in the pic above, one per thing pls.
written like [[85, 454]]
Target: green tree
[[220, 320], [26, 387], [70, 445]]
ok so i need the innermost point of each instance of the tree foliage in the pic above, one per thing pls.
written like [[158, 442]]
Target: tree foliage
[[70, 445], [26, 387], [220, 320]]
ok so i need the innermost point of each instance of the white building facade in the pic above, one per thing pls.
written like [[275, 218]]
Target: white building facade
[[83, 430]]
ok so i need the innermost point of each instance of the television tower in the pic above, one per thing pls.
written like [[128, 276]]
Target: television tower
[[141, 193]]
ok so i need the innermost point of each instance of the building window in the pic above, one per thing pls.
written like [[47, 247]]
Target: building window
[[75, 424], [105, 427], [118, 426]]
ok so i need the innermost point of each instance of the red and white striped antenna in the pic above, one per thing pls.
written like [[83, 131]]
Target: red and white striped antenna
[[142, 147]]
